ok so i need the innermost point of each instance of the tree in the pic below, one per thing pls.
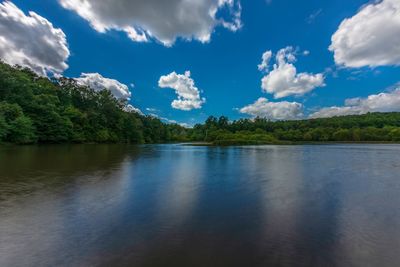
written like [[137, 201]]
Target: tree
[[395, 135], [22, 131], [4, 128], [211, 123], [223, 122], [342, 135], [9, 111]]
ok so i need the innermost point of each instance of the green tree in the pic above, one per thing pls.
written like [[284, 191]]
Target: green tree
[[10, 111], [22, 131], [395, 135], [4, 128], [223, 122], [342, 135]]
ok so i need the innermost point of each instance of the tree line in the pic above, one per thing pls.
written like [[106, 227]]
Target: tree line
[[36, 109], [371, 127]]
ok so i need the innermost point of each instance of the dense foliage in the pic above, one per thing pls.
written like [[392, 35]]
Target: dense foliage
[[380, 127], [36, 109]]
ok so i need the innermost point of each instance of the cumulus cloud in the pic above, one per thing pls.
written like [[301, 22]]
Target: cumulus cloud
[[369, 38], [284, 80], [274, 110], [383, 102], [188, 94], [31, 41], [97, 82], [162, 20]]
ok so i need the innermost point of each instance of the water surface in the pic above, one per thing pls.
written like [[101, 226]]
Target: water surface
[[173, 205]]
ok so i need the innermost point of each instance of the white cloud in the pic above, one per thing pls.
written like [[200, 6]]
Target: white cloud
[[369, 38], [284, 80], [151, 110], [266, 58], [163, 119], [274, 110], [169, 121], [130, 108], [188, 94], [97, 82], [383, 102], [31, 41], [162, 20]]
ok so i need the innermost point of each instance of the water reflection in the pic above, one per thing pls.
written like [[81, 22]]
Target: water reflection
[[172, 205], [25, 169], [58, 199]]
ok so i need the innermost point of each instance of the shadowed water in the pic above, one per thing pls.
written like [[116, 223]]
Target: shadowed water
[[173, 205]]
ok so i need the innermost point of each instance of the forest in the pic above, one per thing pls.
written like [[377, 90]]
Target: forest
[[36, 109], [371, 127]]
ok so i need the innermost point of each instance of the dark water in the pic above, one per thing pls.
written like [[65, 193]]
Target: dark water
[[171, 205]]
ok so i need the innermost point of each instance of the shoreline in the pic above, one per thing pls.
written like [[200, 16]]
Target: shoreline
[[211, 144], [290, 143]]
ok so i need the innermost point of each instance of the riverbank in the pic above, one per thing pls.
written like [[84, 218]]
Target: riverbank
[[256, 143], [225, 143]]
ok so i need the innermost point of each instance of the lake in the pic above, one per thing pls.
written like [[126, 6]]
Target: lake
[[177, 205]]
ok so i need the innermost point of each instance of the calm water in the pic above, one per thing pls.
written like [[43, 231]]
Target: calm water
[[172, 205]]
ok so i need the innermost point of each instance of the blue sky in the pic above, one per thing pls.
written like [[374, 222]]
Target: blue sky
[[225, 69]]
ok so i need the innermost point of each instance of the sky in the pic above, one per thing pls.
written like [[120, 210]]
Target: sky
[[184, 60]]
